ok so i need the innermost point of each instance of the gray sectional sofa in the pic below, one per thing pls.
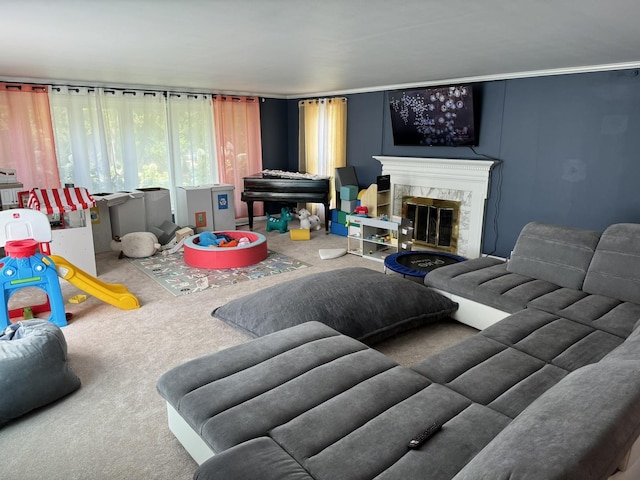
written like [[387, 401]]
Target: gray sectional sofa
[[549, 389]]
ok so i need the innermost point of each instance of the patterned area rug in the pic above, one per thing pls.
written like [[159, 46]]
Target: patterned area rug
[[177, 277]]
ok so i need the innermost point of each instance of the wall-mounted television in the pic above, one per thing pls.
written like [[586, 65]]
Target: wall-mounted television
[[434, 116]]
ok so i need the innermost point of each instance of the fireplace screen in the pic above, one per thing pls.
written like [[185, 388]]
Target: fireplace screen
[[435, 222]]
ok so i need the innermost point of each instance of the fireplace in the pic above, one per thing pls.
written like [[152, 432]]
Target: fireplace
[[435, 222], [463, 181]]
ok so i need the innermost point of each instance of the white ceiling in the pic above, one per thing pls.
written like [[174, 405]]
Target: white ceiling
[[295, 48]]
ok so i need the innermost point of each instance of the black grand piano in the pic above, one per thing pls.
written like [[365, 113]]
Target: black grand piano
[[265, 187]]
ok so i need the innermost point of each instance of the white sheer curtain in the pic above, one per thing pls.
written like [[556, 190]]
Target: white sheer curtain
[[192, 139], [135, 127], [82, 123], [110, 140]]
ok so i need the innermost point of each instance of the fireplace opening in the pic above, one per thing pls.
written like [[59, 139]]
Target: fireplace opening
[[435, 222]]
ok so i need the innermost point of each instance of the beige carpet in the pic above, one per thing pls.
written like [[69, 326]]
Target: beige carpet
[[114, 426]]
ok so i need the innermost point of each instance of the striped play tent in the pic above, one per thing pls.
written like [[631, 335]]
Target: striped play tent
[[60, 200]]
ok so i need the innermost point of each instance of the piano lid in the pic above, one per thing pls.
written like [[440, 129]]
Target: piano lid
[[267, 173]]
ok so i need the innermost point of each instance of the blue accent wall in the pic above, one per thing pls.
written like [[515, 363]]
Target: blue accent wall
[[569, 147], [274, 121]]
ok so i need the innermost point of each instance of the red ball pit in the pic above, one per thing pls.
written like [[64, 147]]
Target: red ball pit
[[226, 257]]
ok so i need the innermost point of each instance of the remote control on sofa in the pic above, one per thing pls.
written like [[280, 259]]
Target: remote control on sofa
[[418, 441]]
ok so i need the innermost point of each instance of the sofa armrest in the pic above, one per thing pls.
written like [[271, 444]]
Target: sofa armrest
[[258, 458], [579, 429]]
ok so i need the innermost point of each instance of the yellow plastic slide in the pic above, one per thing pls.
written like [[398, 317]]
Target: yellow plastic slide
[[113, 293]]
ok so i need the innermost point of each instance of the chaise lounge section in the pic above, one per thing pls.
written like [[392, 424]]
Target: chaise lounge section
[[581, 275], [551, 391]]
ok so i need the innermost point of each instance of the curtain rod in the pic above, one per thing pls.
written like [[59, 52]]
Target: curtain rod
[[19, 85], [322, 100], [165, 91]]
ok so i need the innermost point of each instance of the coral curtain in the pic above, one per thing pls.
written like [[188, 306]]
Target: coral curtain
[[239, 144], [322, 139], [26, 135]]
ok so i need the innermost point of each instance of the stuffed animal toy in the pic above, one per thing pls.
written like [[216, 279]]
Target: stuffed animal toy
[[280, 224], [314, 220], [136, 245], [209, 239], [229, 244], [308, 221], [303, 215]]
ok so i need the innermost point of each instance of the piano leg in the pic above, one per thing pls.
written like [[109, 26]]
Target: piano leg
[[250, 212], [327, 214]]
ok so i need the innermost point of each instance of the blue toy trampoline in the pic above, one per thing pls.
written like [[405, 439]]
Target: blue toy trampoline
[[419, 263]]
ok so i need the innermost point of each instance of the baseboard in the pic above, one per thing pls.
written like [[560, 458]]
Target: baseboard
[[190, 440]]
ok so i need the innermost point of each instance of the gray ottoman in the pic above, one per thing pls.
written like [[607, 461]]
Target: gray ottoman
[[33, 368]]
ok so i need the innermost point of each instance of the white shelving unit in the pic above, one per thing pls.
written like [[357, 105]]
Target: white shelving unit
[[371, 238]]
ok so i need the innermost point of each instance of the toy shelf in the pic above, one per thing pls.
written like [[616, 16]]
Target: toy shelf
[[372, 238]]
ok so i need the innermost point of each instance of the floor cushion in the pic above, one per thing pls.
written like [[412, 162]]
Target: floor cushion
[[33, 368], [359, 302]]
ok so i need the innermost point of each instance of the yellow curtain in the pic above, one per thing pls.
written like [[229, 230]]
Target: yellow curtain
[[323, 139]]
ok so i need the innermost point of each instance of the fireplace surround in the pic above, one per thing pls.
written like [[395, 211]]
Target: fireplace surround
[[464, 181]]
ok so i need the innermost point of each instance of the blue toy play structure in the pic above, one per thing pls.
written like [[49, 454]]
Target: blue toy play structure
[[21, 231]]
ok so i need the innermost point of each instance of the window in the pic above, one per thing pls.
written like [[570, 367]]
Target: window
[[191, 138], [110, 140]]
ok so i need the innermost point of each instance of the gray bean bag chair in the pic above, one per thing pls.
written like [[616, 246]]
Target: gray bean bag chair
[[33, 368]]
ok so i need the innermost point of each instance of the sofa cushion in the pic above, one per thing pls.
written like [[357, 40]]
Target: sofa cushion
[[604, 313], [444, 278], [376, 445], [511, 363], [615, 268], [486, 280], [243, 392], [362, 303], [552, 339], [188, 377], [512, 292], [580, 428], [488, 372], [445, 453], [556, 254], [258, 458], [347, 412], [363, 453]]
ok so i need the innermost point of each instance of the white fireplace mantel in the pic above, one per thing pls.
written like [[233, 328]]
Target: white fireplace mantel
[[446, 179]]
